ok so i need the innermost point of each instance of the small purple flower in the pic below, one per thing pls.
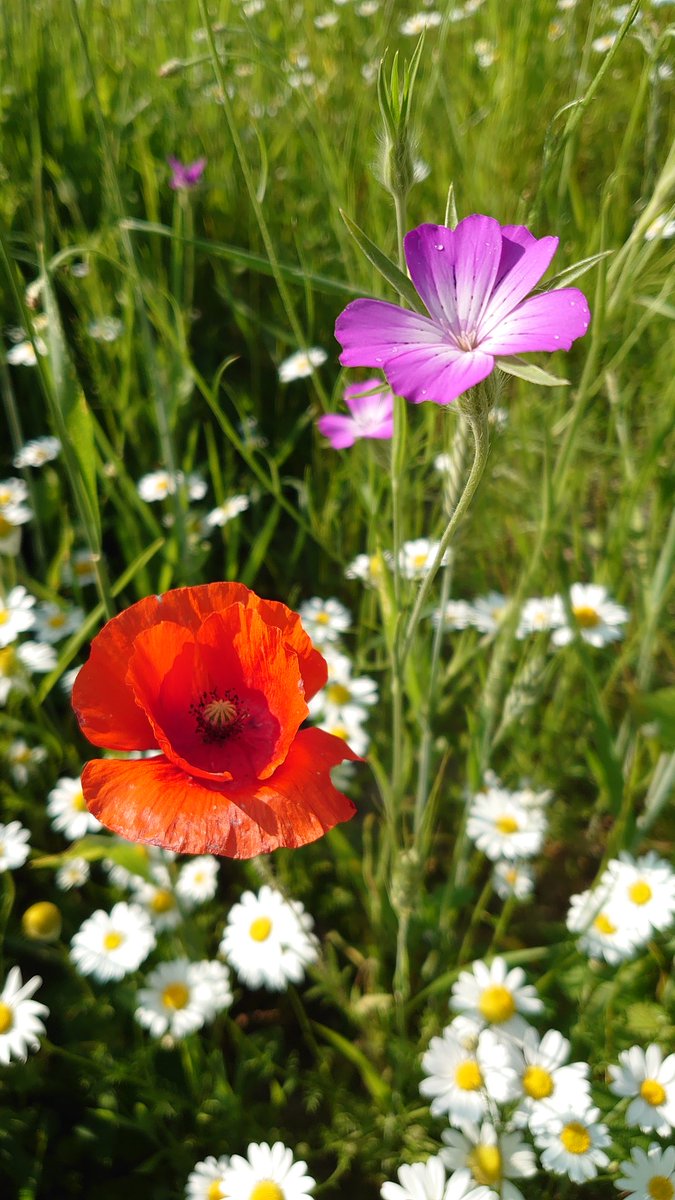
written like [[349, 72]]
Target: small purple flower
[[185, 175], [372, 416], [473, 281]]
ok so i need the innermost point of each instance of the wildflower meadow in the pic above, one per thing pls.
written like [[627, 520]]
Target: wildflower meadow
[[337, 712]]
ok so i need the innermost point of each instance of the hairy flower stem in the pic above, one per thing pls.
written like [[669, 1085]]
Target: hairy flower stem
[[477, 418]]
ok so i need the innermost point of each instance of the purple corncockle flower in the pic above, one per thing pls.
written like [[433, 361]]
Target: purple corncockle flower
[[185, 175], [473, 281], [372, 416]]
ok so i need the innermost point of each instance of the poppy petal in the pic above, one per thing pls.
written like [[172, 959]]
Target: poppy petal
[[152, 801], [104, 704]]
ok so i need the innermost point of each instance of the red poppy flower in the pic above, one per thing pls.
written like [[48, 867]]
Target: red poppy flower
[[217, 679]]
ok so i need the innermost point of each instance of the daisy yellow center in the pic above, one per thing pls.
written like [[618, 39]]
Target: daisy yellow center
[[660, 1188], [113, 940], [338, 694], [162, 901], [496, 1004], [82, 568], [468, 1076], [22, 756], [537, 1083], [340, 731], [260, 929], [652, 1091], [640, 892], [6, 1018], [485, 1164], [420, 560], [575, 1138], [175, 995], [6, 660], [57, 621], [511, 875], [507, 824], [78, 802], [497, 613], [586, 617], [603, 924], [322, 618], [266, 1190], [214, 1192], [4, 616]]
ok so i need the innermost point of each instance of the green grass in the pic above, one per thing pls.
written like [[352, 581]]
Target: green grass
[[214, 290]]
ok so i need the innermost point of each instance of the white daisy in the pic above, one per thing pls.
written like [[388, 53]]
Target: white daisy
[[349, 729], [214, 980], [649, 1080], [268, 940], [486, 1158], [343, 698], [605, 930], [13, 492], [16, 614], [660, 227], [105, 329], [369, 568], [74, 873], [37, 657], [37, 452], [14, 846], [158, 898], [548, 1082], [603, 43], [496, 997], [488, 612], [206, 1181], [418, 556], [67, 680], [68, 811], [174, 1000], [110, 945], [426, 1181], [22, 758], [198, 880], [573, 1143], [54, 622], [540, 614], [23, 353], [644, 889], [416, 24], [226, 511], [513, 878], [324, 620], [502, 827], [270, 1165], [650, 1175], [301, 364], [20, 1017], [326, 20], [457, 614], [81, 569], [597, 618], [156, 486], [463, 1081]]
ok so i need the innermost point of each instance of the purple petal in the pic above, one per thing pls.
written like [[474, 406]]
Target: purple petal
[[517, 282], [370, 331], [340, 431], [454, 270], [551, 321], [194, 171], [515, 239], [370, 411], [438, 373]]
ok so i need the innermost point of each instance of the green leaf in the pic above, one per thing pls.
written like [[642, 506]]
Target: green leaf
[[530, 372], [384, 265], [132, 857], [577, 269], [379, 1090]]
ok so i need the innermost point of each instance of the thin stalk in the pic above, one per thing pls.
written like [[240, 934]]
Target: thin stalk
[[479, 430]]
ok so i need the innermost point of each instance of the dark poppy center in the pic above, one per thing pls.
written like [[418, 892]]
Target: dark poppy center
[[218, 716]]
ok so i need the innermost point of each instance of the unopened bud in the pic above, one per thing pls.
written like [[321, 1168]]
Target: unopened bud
[[42, 922]]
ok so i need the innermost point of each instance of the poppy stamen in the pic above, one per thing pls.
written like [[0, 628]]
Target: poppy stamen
[[218, 717]]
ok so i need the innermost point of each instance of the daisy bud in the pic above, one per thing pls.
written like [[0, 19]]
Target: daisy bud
[[42, 922]]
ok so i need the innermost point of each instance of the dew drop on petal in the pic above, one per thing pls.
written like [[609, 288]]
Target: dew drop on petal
[[556, 337], [439, 246]]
